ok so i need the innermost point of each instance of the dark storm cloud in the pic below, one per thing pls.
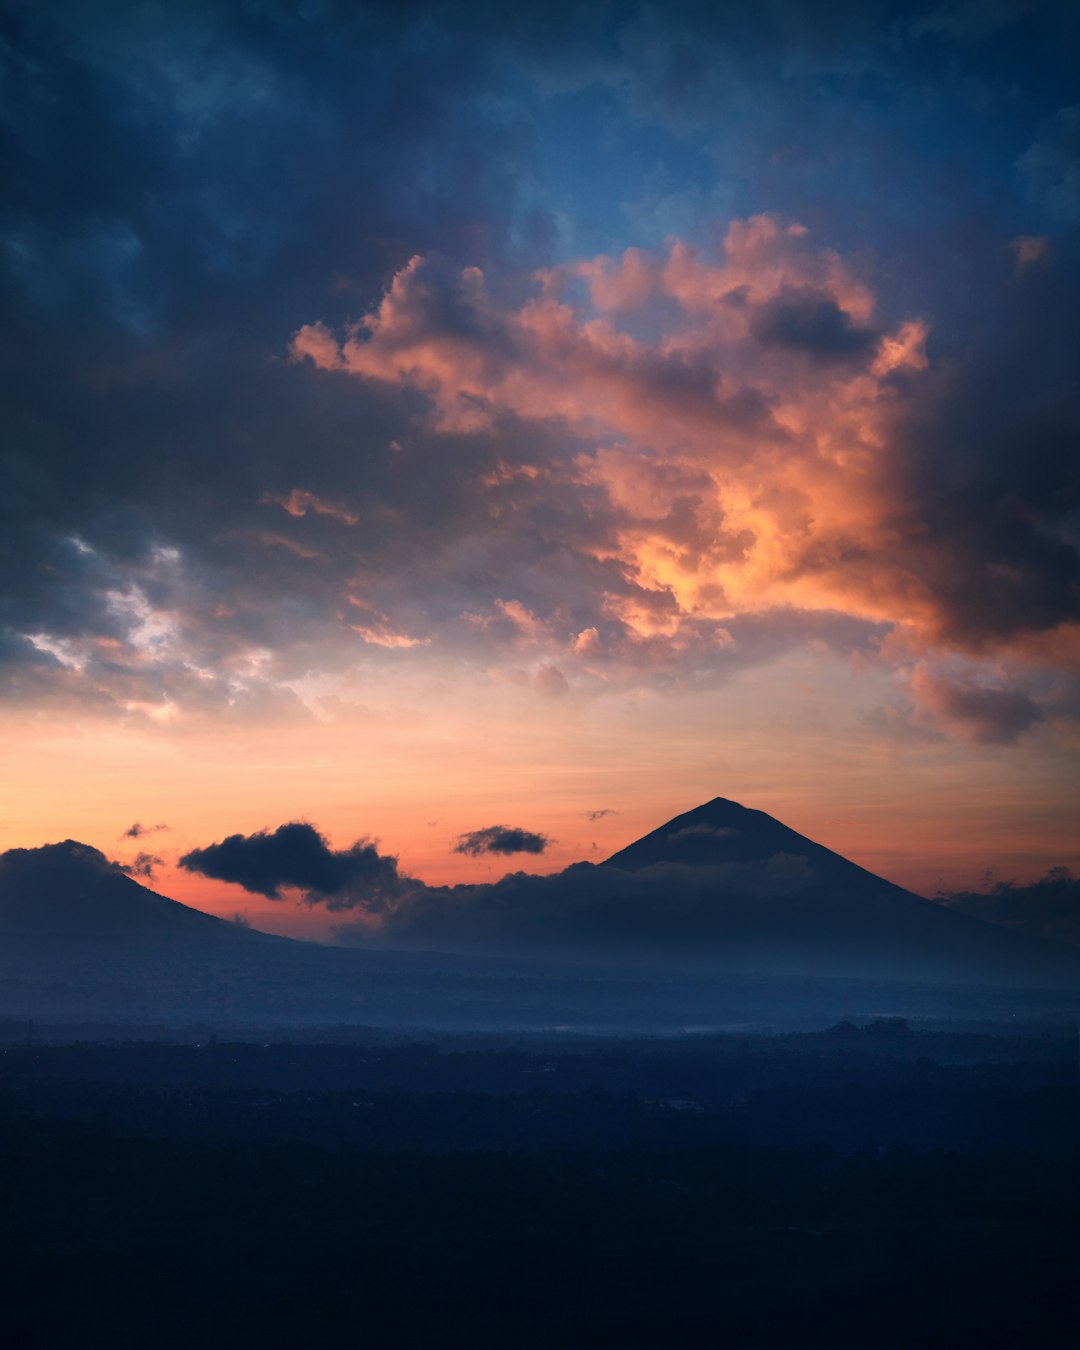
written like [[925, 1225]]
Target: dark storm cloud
[[185, 186], [501, 839], [987, 477], [1049, 907], [814, 324], [297, 857]]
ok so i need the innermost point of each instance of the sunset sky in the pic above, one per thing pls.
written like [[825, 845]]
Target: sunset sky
[[426, 417]]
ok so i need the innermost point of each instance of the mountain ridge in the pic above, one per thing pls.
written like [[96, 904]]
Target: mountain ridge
[[721, 883]]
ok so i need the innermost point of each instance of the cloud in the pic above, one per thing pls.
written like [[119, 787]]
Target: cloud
[[657, 452], [502, 840], [143, 865], [988, 714], [1049, 906], [1051, 165], [116, 303], [296, 857], [598, 908], [742, 479], [812, 323], [601, 813], [298, 503], [138, 831], [1029, 249], [717, 831]]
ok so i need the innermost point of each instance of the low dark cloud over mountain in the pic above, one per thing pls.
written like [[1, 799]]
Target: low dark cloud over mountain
[[1049, 907], [593, 908], [501, 839], [296, 857]]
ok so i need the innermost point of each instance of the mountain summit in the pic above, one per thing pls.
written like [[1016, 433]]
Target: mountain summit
[[723, 831]]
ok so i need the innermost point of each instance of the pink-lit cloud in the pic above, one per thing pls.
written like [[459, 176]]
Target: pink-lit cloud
[[738, 408]]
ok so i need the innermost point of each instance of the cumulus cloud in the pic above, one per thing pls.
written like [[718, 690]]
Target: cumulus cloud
[[296, 857], [1049, 906], [502, 840], [743, 478]]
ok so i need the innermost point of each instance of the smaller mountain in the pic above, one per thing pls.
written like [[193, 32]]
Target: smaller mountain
[[71, 895]]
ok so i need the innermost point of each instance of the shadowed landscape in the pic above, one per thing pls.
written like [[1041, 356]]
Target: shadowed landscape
[[723, 916], [841, 1189], [708, 1144]]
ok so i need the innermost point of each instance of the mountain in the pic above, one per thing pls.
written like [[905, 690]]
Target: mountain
[[724, 831], [722, 916], [772, 894], [70, 895]]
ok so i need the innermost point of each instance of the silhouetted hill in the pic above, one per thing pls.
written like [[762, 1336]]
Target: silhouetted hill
[[70, 894]]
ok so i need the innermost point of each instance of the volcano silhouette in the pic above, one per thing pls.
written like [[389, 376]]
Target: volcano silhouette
[[789, 902], [723, 831]]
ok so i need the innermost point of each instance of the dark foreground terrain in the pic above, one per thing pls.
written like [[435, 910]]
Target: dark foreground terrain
[[865, 1187]]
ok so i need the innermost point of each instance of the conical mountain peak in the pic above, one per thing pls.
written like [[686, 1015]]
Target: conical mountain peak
[[723, 831]]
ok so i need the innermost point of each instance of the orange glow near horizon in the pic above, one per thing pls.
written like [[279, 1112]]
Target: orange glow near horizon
[[928, 814]]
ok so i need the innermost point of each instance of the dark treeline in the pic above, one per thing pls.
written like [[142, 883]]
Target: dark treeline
[[865, 1187]]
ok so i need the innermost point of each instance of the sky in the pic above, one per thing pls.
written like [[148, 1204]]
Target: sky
[[429, 419]]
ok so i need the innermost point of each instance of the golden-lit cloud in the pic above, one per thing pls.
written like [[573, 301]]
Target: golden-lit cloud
[[739, 407]]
